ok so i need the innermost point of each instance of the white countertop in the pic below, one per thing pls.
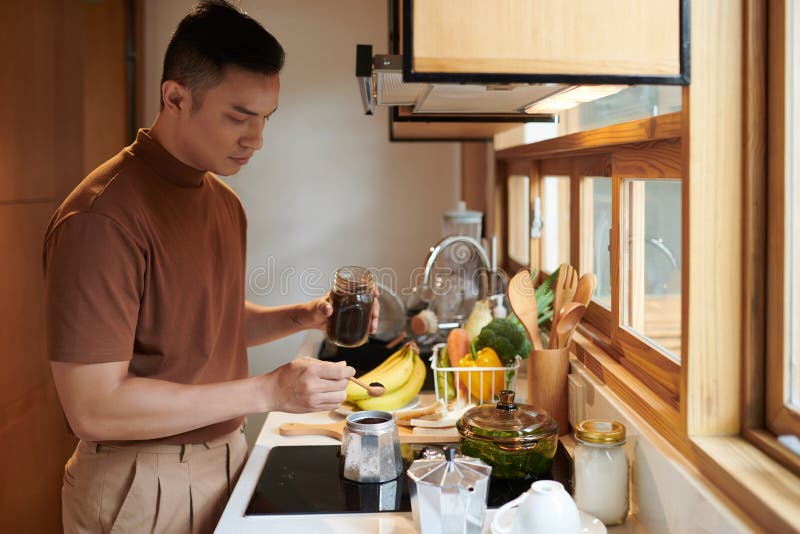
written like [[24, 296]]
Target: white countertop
[[234, 521], [233, 518]]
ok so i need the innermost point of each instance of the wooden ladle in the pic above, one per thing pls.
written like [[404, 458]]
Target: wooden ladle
[[522, 297], [375, 389], [568, 320]]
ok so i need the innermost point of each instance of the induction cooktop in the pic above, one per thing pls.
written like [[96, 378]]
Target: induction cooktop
[[305, 480]]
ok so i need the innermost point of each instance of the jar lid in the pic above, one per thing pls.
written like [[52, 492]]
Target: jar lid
[[462, 215], [600, 431], [353, 278], [453, 471], [507, 422]]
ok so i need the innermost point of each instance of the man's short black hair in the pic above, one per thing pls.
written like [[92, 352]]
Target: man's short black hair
[[215, 35]]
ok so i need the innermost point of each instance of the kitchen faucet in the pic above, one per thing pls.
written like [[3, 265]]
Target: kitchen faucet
[[437, 250]]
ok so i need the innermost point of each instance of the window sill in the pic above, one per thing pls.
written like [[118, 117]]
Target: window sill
[[765, 490], [761, 488], [653, 408]]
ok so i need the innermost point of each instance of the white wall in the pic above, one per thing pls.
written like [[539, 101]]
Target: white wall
[[328, 188]]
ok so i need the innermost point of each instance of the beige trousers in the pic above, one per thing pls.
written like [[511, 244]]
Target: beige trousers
[[150, 488]]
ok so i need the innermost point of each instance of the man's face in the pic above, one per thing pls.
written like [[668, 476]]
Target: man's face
[[226, 129]]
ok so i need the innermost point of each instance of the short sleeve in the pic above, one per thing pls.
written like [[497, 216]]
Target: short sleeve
[[94, 278]]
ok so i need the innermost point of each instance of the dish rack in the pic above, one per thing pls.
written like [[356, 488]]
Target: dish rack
[[463, 386]]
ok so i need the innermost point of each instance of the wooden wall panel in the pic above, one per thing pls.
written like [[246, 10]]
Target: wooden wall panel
[[55, 117], [104, 73], [27, 102], [35, 446], [475, 158], [22, 335]]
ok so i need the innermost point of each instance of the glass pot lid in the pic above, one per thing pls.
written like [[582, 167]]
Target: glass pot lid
[[507, 422]]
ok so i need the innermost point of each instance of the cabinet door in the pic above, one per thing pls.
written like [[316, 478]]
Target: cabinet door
[[572, 41]]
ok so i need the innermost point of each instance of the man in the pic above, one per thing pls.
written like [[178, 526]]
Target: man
[[147, 323]]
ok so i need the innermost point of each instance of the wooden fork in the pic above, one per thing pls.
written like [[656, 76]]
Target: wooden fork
[[566, 285]]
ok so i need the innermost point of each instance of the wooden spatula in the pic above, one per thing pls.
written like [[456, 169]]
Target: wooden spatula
[[586, 287], [522, 297]]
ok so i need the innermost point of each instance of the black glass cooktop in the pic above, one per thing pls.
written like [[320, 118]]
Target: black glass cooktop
[[306, 480]]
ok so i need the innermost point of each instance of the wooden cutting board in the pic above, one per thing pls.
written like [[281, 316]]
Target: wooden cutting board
[[406, 434]]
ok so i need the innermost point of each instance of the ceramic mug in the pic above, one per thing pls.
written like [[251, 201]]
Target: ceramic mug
[[546, 508]]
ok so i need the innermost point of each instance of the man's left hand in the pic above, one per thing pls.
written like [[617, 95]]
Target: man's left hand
[[318, 311]]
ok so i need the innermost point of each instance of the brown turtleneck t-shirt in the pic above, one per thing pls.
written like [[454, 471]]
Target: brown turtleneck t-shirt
[[145, 262]]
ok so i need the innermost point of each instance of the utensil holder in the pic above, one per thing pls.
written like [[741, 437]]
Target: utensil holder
[[547, 384]]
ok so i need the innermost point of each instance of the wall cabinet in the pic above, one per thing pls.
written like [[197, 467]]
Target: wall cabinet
[[563, 41], [448, 43]]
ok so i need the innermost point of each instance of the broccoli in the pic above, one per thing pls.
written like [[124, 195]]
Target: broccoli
[[507, 337]]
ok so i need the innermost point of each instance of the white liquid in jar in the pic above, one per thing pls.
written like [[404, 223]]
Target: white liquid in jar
[[601, 481]]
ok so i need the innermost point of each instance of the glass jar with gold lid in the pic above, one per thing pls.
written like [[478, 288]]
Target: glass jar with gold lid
[[601, 470]]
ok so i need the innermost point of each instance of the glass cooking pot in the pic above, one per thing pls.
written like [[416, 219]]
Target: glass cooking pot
[[517, 440]]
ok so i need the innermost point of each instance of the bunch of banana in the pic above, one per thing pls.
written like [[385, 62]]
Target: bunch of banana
[[402, 374]]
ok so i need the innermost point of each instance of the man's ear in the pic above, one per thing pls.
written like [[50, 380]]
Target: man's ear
[[175, 96]]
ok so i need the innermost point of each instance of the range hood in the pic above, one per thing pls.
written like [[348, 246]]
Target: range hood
[[380, 80]]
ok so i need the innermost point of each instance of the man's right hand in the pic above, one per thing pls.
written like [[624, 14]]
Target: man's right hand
[[307, 385]]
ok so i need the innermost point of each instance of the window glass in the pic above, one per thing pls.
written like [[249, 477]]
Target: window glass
[[651, 260], [555, 216], [519, 219], [596, 232]]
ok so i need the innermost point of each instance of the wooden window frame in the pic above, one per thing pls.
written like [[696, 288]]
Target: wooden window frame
[[762, 417], [647, 148], [779, 419]]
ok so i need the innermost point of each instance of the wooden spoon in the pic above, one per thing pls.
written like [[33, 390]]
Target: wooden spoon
[[586, 287], [522, 297], [571, 315], [375, 389], [566, 285]]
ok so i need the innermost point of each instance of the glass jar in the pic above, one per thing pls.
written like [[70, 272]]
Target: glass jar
[[351, 298], [601, 470], [517, 440]]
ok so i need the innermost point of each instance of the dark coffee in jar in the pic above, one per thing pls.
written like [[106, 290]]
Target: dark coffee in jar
[[351, 298], [371, 421]]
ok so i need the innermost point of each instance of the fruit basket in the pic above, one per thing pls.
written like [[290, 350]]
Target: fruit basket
[[458, 386]]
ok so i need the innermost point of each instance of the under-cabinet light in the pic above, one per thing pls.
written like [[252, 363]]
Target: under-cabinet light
[[571, 97]]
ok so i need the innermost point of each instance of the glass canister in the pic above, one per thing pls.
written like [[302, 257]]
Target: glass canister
[[601, 470], [351, 298], [448, 495], [462, 221], [517, 440]]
